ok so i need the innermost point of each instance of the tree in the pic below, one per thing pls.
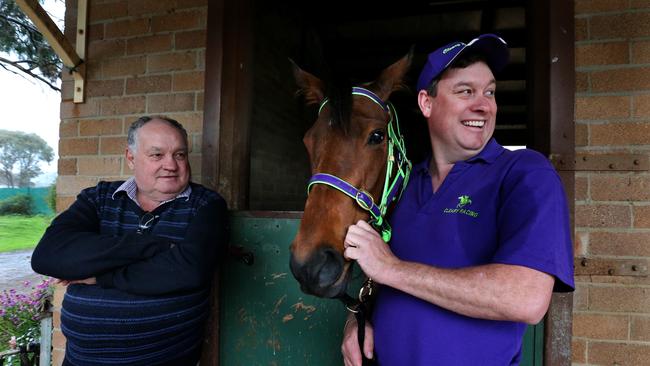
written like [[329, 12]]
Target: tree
[[22, 152], [24, 49]]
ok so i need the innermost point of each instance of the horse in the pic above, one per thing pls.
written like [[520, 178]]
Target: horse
[[356, 153]]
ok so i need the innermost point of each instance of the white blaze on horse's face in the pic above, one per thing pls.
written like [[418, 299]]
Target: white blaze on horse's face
[[348, 140]]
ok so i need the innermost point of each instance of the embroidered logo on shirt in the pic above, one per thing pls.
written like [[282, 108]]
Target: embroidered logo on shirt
[[463, 202]]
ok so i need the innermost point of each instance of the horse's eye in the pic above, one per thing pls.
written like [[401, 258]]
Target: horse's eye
[[376, 137]]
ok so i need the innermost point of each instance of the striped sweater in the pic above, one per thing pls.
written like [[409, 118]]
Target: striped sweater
[[151, 298]]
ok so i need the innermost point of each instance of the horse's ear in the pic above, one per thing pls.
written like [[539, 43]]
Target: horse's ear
[[392, 77], [309, 86]]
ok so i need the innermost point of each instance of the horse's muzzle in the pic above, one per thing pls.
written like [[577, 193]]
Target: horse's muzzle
[[322, 274]]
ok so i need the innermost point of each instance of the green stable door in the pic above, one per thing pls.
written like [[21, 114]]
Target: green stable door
[[267, 320]]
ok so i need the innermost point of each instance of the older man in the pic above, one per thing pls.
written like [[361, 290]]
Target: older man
[[481, 234], [137, 256]]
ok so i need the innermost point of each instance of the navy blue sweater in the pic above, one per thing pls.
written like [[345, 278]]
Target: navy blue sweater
[[151, 300]]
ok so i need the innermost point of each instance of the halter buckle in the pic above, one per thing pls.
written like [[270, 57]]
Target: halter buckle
[[359, 198]]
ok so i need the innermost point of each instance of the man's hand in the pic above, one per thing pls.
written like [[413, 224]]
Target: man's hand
[[350, 346], [85, 281], [363, 244]]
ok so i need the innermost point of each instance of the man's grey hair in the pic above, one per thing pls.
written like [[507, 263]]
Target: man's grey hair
[[132, 137]]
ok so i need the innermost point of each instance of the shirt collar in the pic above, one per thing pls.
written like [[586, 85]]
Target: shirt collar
[[489, 154], [130, 188]]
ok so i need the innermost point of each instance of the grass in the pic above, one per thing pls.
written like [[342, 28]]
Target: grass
[[21, 232]]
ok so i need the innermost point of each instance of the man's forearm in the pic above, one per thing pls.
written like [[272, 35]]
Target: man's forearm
[[493, 291]]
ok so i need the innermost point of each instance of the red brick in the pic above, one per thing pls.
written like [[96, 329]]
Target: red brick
[[602, 216], [619, 299], [624, 134], [581, 134], [76, 110], [581, 29], [191, 121], [641, 216], [64, 202], [149, 84], [581, 297], [77, 146], [106, 49], [69, 128], [200, 98], [141, 7], [71, 185], [627, 79], [178, 21], [67, 89], [188, 81], [121, 106], [641, 105], [100, 166], [641, 52], [106, 11], [112, 145], [124, 66], [190, 39], [104, 88], [170, 103], [67, 166], [149, 44], [640, 328], [617, 187], [581, 188], [625, 25], [582, 82], [95, 32], [597, 6], [578, 351], [600, 326], [126, 28], [626, 244], [100, 127], [599, 108], [606, 53], [606, 353], [171, 62], [640, 4]]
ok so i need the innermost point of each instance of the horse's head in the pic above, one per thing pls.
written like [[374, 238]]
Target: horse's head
[[349, 146]]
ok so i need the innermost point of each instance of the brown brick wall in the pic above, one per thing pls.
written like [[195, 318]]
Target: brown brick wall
[[611, 320], [143, 57]]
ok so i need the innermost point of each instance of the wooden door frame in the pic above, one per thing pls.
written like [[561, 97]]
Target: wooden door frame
[[226, 125]]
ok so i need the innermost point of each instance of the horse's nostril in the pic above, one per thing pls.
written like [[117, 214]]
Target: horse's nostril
[[331, 268], [320, 272]]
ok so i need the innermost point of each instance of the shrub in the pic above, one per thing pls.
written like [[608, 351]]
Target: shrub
[[20, 204], [51, 197], [20, 315]]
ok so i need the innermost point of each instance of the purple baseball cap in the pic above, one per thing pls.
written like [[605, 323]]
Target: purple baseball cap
[[493, 47]]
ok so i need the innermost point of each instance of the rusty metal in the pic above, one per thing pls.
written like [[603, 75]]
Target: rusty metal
[[611, 267], [589, 161]]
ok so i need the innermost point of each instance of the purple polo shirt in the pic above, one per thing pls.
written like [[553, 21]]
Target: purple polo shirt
[[500, 206]]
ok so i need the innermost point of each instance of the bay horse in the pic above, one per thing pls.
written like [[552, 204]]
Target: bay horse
[[356, 153]]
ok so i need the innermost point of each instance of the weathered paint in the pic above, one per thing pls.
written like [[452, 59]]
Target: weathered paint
[[266, 320]]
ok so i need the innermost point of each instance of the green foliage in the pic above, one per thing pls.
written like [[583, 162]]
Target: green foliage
[[20, 315], [50, 199], [21, 152], [21, 232], [20, 204], [29, 51]]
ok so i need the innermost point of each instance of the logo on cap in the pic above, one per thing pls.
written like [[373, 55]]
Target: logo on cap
[[444, 52]]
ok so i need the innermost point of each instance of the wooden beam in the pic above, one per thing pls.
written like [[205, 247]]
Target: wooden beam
[[63, 48]]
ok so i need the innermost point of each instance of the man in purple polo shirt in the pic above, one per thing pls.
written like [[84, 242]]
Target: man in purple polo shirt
[[481, 234]]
